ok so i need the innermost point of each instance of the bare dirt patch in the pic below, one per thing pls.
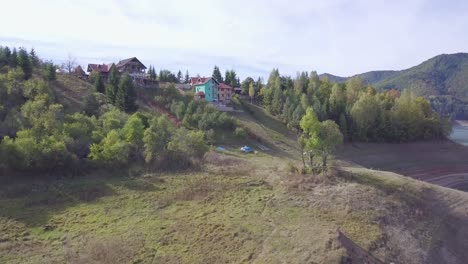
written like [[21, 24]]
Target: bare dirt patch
[[425, 161]]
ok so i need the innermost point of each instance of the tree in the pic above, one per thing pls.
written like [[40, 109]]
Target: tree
[[25, 63], [217, 74], [309, 125], [126, 95], [69, 64], [6, 55], [246, 85], [91, 105], [156, 139], [51, 71], [187, 77], [112, 88], [327, 139], [188, 146], [251, 92], [111, 150], [34, 58], [13, 61], [364, 113], [152, 73], [133, 130], [179, 77], [99, 84]]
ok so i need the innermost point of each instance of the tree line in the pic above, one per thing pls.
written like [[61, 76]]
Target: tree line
[[230, 77], [361, 112], [168, 76]]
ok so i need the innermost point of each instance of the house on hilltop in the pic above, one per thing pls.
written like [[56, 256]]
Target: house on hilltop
[[131, 66], [79, 72], [211, 90], [102, 69], [225, 93], [205, 88]]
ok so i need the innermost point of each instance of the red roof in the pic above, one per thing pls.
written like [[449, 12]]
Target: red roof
[[225, 86], [99, 67], [200, 80], [200, 93]]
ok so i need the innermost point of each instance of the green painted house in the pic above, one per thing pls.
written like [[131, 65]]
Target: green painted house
[[205, 88]]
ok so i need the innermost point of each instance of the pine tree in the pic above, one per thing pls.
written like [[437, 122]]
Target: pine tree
[[227, 77], [187, 77], [152, 73], [179, 77], [25, 63], [50, 69], [99, 84], [217, 74], [34, 58], [126, 95], [13, 62], [161, 76], [110, 94]]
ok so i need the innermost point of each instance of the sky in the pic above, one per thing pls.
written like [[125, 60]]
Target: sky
[[342, 37]]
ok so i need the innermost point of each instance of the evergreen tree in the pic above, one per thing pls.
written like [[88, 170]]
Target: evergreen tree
[[126, 95], [180, 77], [13, 62], [161, 76], [99, 84], [217, 74], [187, 77], [25, 63], [227, 77], [50, 69], [91, 105], [152, 73], [34, 58]]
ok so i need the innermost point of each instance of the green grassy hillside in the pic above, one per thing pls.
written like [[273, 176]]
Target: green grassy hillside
[[237, 208]]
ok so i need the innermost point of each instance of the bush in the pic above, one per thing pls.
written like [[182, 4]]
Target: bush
[[240, 132]]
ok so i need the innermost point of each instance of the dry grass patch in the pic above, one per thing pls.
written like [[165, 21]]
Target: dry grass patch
[[108, 251]]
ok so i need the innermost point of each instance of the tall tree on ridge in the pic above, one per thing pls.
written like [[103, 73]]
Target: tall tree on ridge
[[99, 84], [180, 77], [217, 74], [126, 95], [187, 77], [25, 63]]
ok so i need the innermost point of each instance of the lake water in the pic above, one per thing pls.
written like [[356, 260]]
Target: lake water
[[460, 133]]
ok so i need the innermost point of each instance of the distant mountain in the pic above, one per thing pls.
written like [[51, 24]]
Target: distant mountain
[[446, 74], [333, 78]]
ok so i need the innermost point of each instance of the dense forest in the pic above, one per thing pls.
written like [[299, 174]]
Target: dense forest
[[39, 136], [361, 112]]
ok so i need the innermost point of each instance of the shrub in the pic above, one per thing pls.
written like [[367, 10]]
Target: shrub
[[240, 132]]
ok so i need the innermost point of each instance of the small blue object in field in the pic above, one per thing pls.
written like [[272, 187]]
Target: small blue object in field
[[220, 148], [246, 149]]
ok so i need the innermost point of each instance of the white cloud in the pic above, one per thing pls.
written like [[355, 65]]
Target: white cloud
[[338, 36]]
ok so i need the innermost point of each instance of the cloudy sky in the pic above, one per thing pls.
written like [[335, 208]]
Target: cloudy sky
[[342, 37]]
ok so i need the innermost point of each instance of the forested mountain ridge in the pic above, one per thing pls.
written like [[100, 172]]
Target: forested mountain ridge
[[442, 79], [445, 74]]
